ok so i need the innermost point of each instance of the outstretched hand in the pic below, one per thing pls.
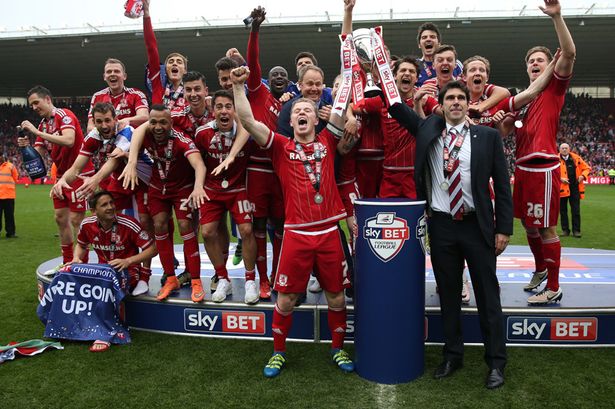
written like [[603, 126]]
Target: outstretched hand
[[552, 8], [258, 16]]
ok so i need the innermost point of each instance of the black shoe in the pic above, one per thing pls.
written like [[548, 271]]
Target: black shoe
[[184, 278], [565, 233], [577, 234], [11, 236], [495, 378], [447, 368]]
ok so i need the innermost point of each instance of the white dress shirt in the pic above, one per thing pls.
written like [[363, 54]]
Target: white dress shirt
[[440, 200]]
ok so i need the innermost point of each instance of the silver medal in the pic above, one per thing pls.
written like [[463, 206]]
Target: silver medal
[[224, 184], [518, 124], [444, 185], [318, 198]]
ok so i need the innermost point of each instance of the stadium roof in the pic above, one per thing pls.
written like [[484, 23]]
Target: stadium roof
[[71, 64]]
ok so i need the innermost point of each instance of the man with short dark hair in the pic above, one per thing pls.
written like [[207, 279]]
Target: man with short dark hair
[[454, 162], [176, 185], [116, 239], [59, 133], [428, 40], [130, 104], [223, 67]]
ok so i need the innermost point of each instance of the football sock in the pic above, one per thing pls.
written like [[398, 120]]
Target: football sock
[[282, 321], [552, 250], [191, 254], [535, 242], [336, 318]]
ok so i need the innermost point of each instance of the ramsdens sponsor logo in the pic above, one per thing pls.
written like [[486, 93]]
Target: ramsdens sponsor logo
[[235, 322], [552, 329]]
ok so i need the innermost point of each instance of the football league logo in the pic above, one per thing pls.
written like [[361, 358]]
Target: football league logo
[[386, 235]]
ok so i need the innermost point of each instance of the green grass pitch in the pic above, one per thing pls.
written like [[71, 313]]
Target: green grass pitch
[[189, 372]]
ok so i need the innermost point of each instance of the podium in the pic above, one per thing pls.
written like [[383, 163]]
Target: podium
[[390, 290]]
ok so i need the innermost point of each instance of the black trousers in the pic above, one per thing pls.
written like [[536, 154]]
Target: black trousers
[[7, 206], [452, 243], [575, 211]]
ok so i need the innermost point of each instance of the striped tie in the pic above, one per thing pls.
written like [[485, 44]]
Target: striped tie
[[455, 192]]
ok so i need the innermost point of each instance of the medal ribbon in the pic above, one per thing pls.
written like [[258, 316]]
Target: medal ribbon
[[171, 97], [314, 173], [168, 154], [450, 156]]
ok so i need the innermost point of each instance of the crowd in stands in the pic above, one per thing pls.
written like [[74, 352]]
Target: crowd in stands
[[584, 124]]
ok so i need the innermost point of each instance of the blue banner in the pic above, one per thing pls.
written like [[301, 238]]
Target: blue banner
[[82, 303]]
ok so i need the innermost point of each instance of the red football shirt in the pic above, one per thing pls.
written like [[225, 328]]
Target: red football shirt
[[399, 143], [63, 156], [171, 170], [301, 210], [537, 137], [371, 143], [185, 121], [122, 240], [215, 147], [126, 103]]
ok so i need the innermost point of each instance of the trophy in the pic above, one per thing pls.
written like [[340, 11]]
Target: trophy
[[365, 53]]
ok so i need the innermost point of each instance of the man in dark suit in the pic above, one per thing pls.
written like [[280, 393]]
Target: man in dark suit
[[454, 162]]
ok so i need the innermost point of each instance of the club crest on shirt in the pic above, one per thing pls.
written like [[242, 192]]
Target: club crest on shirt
[[386, 234]]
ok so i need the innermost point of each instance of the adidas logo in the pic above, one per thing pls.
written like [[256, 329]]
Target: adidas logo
[[247, 217], [537, 222], [96, 238]]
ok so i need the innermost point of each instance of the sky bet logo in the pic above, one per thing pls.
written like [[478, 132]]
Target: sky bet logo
[[552, 329], [386, 234], [227, 322]]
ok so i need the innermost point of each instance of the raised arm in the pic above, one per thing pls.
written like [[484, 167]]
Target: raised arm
[[153, 57], [254, 80], [406, 117], [347, 23], [565, 64], [258, 130]]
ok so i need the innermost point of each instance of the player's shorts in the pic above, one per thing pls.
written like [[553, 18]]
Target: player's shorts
[[70, 200], [142, 198], [236, 202], [398, 184], [305, 251], [172, 199], [265, 193], [349, 192], [122, 197], [369, 176], [536, 195]]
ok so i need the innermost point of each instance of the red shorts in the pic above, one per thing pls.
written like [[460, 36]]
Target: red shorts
[[536, 195], [236, 202], [305, 251], [70, 200], [369, 176], [172, 199], [349, 192], [122, 197], [265, 193], [141, 197], [398, 183]]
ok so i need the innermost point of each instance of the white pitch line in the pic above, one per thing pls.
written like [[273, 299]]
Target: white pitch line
[[386, 396]]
